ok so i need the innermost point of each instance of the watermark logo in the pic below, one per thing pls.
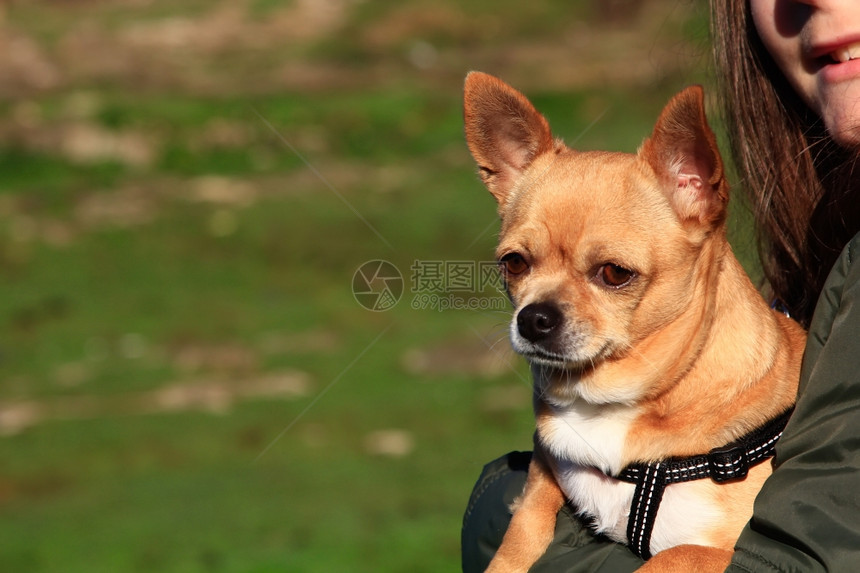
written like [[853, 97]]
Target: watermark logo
[[377, 285], [435, 285]]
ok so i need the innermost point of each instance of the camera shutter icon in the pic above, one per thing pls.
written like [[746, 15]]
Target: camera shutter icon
[[377, 285]]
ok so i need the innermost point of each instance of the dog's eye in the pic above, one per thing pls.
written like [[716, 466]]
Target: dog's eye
[[613, 275], [513, 264]]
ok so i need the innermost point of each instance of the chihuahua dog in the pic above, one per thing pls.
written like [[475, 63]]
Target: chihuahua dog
[[662, 378]]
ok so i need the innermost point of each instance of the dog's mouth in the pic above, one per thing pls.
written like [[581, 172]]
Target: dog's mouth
[[563, 362], [544, 358]]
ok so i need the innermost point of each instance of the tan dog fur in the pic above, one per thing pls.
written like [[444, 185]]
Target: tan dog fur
[[663, 347]]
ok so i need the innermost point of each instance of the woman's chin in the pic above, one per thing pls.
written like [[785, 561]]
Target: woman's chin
[[847, 137], [842, 119]]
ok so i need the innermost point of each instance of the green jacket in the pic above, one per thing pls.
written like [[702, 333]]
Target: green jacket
[[807, 516]]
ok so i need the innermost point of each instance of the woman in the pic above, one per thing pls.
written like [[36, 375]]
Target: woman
[[791, 92]]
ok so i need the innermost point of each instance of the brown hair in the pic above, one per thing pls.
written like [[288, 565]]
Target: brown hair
[[797, 179]]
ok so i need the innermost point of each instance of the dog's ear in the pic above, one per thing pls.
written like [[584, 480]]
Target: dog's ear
[[683, 152], [505, 133]]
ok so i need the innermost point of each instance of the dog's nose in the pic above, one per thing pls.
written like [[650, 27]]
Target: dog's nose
[[538, 321]]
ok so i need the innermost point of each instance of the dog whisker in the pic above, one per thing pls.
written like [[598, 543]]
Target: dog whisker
[[491, 347]]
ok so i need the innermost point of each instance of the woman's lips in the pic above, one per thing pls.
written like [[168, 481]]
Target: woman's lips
[[838, 61], [836, 72]]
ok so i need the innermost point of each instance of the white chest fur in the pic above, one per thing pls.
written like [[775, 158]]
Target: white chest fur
[[588, 435], [587, 442]]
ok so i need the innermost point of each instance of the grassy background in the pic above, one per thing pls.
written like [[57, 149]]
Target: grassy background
[[186, 381]]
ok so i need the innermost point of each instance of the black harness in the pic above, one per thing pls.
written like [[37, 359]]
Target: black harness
[[731, 462]]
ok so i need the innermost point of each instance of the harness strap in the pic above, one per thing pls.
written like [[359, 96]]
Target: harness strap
[[731, 462], [643, 510]]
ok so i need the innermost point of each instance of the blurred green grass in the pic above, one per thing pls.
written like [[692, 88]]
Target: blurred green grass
[[162, 250]]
